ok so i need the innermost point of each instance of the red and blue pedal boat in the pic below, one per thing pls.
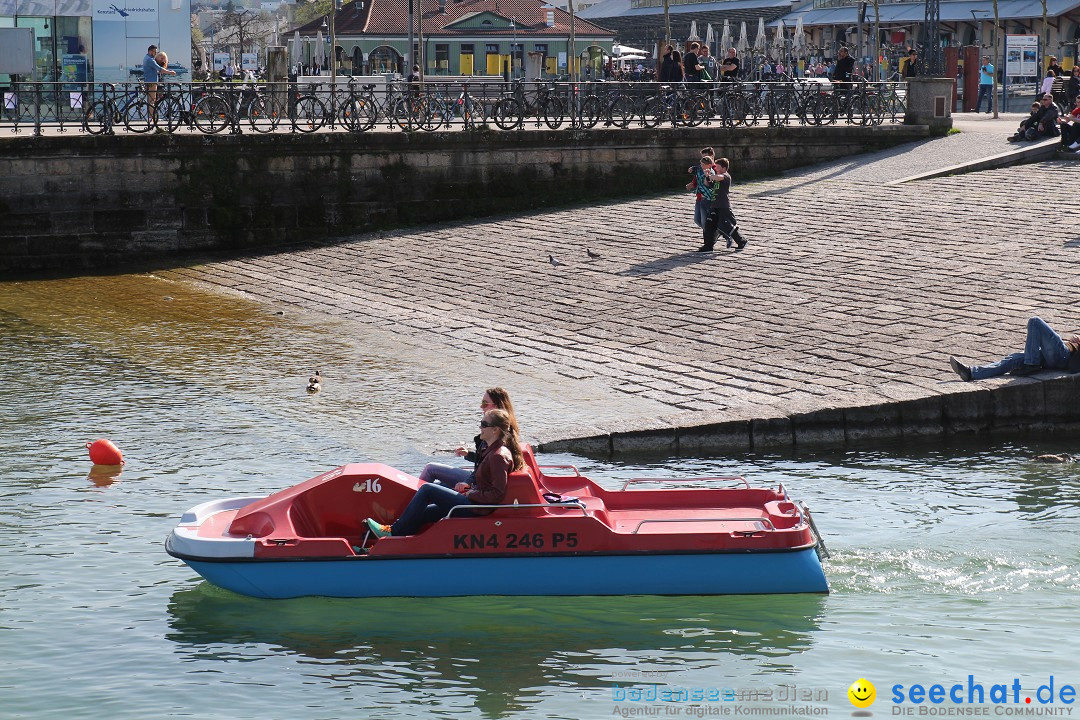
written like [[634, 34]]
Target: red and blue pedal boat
[[556, 533]]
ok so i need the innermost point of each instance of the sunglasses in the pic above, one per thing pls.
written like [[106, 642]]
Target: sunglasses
[[486, 424]]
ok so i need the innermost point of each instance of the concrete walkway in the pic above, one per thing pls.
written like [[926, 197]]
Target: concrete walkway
[[851, 294]]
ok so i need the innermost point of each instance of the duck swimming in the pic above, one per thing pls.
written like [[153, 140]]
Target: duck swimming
[[1062, 458], [315, 383]]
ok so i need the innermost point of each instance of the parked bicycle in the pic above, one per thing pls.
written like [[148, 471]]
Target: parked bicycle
[[130, 108]]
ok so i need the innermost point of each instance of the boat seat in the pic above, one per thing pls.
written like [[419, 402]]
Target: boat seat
[[521, 489], [530, 462]]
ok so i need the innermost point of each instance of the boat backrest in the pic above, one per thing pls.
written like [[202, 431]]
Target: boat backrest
[[521, 489], [530, 462]]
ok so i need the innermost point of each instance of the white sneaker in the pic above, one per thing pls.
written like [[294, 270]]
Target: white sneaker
[[1075, 145]]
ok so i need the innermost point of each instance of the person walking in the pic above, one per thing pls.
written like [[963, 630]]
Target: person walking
[[986, 85], [720, 218]]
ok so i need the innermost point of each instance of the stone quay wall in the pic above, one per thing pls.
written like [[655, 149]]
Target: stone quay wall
[[80, 202], [1041, 404]]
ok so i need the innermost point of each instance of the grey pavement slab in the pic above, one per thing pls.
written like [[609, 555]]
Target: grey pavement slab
[[852, 292]]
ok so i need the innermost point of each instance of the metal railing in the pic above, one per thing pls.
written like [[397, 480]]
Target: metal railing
[[212, 108]]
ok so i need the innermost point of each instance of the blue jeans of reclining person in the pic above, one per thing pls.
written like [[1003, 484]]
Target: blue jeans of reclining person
[[430, 503], [1043, 347], [446, 474]]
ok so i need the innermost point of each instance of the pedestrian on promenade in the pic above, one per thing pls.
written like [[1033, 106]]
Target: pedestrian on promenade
[[729, 70], [1053, 66], [691, 67], [152, 72], [1043, 348], [707, 63], [705, 192], [911, 69], [986, 85], [1047, 83], [667, 71], [720, 218]]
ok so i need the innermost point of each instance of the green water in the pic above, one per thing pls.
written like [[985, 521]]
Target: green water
[[948, 560]]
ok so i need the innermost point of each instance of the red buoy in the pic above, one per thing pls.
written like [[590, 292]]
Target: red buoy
[[103, 452]]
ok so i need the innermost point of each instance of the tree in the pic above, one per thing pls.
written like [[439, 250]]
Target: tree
[[306, 12], [242, 28]]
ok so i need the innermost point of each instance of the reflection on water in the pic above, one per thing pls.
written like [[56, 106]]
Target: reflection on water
[[947, 557], [500, 652]]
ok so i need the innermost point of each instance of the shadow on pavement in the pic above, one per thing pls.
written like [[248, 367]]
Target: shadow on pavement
[[672, 262]]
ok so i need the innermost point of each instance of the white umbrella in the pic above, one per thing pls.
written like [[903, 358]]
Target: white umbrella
[[297, 48], [761, 42], [798, 43], [725, 39], [742, 45], [778, 40], [693, 31], [320, 52], [620, 50], [710, 37]]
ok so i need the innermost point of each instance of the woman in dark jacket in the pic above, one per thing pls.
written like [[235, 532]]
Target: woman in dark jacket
[[495, 398], [434, 502], [665, 65]]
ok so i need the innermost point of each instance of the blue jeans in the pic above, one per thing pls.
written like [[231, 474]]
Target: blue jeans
[[430, 503], [985, 91], [446, 474], [701, 211], [1043, 347]]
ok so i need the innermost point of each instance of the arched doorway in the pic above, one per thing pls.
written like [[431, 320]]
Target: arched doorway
[[592, 63], [385, 59], [357, 61]]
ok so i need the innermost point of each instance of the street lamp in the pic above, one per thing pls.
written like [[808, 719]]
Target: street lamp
[[513, 48]]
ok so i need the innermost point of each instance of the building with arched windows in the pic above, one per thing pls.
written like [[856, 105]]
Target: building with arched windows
[[518, 38]]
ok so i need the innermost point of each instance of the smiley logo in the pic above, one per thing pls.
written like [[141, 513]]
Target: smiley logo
[[862, 693]]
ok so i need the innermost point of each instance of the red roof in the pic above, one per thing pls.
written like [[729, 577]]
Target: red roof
[[391, 17]]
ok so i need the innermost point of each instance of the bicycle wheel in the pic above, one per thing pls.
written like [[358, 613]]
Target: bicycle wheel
[[137, 117], [508, 114], [698, 109], [651, 112], [621, 111], [591, 111], [734, 109], [683, 112], [472, 113], [431, 114], [98, 120], [310, 114], [212, 114], [169, 114], [359, 113], [553, 112], [262, 114]]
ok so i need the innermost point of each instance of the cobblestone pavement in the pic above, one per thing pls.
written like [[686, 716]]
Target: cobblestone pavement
[[850, 292]]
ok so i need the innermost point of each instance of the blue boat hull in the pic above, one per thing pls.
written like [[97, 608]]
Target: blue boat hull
[[796, 571]]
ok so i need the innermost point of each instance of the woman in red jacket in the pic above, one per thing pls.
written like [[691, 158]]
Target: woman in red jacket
[[433, 502]]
